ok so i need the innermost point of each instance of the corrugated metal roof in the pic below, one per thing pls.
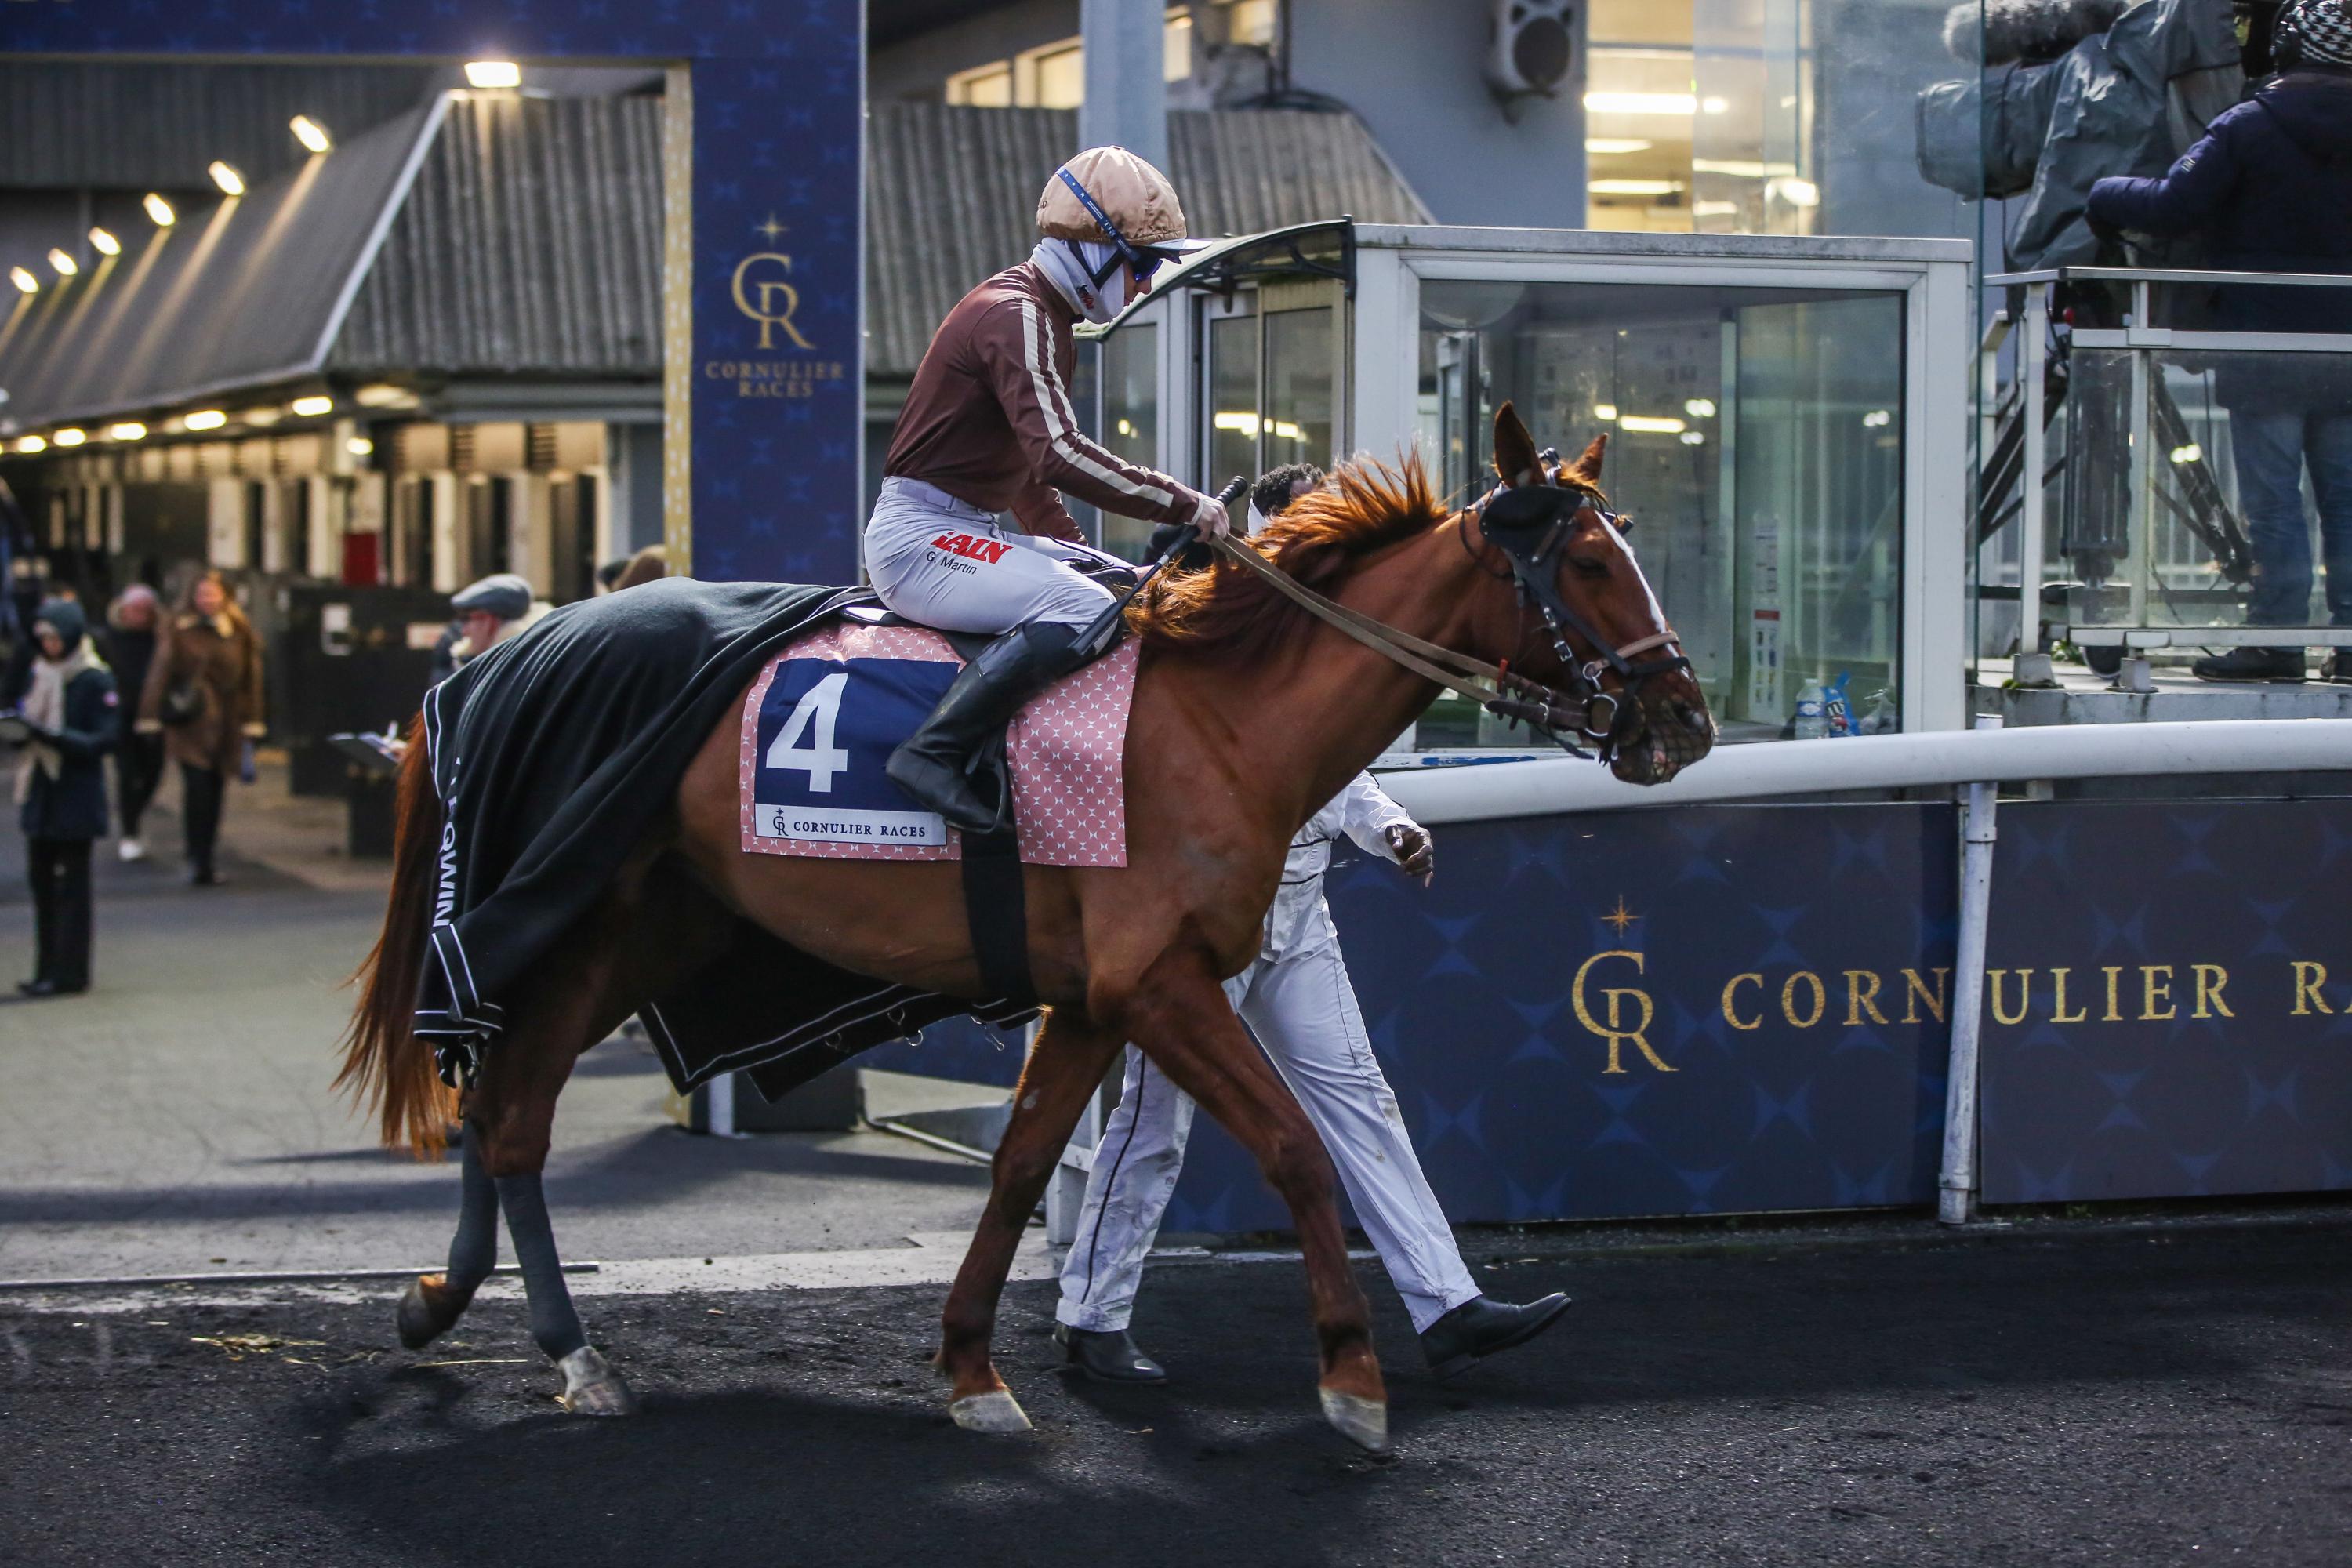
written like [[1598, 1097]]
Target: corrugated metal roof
[[235, 294], [531, 242], [952, 195], [73, 123]]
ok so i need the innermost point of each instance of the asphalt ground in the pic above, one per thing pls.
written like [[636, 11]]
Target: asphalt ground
[[2055, 1395]]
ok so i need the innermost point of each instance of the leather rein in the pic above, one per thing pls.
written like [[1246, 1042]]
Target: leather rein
[[1527, 542]]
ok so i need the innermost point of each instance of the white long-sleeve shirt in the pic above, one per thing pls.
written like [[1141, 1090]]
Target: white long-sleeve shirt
[[1363, 813]]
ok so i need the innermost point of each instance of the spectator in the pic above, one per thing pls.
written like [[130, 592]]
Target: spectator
[[69, 721], [203, 696], [134, 630], [647, 565], [2269, 187], [497, 609]]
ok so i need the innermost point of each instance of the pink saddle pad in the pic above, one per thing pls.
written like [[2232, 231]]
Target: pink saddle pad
[[1066, 747]]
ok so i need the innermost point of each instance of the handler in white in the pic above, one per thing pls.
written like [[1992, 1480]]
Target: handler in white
[[1297, 1000]]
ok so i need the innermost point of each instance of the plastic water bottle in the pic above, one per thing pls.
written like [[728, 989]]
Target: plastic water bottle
[[1812, 712]]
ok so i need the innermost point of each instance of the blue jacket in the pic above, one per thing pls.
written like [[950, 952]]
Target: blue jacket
[[2270, 186], [73, 805]]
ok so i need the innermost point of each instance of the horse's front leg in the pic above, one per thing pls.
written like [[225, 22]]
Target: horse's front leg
[[1180, 1018], [1069, 1062]]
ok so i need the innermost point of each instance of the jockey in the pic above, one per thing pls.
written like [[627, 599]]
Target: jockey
[[988, 428], [1297, 999]]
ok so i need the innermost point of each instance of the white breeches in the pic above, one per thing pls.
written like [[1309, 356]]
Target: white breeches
[[1303, 1011], [940, 562]]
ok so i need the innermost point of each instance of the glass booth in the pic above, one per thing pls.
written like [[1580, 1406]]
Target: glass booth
[[1787, 423]]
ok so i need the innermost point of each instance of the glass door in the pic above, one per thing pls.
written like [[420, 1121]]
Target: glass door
[[1273, 379]]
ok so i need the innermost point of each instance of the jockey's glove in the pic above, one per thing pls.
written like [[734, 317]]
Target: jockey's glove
[[1210, 517]]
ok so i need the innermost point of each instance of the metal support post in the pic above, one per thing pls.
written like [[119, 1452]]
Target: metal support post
[[1956, 1201], [719, 1113], [2140, 521], [2031, 362]]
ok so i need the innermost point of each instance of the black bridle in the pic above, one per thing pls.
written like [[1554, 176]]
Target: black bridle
[[1530, 525]]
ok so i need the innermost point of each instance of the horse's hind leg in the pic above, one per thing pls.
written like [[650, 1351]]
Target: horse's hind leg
[[1062, 1071], [435, 1302], [511, 1115]]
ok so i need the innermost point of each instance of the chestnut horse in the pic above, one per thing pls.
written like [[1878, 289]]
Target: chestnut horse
[[1249, 714]]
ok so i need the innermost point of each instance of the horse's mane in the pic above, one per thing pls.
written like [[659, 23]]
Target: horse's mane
[[1226, 611]]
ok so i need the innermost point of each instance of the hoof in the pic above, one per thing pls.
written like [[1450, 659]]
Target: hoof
[[592, 1388], [995, 1411], [1363, 1422], [428, 1309]]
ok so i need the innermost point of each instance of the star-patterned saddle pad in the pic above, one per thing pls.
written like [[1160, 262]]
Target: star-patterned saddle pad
[[826, 713]]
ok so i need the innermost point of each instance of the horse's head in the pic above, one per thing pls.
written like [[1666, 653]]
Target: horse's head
[[1583, 589]]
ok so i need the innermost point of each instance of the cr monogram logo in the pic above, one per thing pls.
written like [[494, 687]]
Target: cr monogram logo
[[770, 293]]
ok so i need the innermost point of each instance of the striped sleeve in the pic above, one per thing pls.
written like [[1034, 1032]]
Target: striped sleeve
[[1017, 346]]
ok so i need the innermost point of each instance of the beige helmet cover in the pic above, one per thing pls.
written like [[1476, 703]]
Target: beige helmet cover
[[1135, 196]]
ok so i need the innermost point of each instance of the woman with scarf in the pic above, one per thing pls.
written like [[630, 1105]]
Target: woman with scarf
[[67, 725], [204, 695]]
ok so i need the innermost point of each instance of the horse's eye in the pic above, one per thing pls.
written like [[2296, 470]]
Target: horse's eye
[[1588, 566]]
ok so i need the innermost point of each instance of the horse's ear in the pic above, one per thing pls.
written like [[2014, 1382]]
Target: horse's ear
[[1516, 462], [1587, 468]]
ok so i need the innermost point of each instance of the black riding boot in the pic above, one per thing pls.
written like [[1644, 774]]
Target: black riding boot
[[935, 764]]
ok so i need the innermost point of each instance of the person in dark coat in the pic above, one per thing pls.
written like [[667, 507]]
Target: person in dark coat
[[67, 724], [203, 696], [134, 628], [2269, 187]]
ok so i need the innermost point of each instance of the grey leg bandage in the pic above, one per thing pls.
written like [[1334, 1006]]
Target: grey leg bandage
[[474, 1250], [554, 1323]]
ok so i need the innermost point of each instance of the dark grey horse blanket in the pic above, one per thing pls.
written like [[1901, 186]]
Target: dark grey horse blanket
[[554, 755]]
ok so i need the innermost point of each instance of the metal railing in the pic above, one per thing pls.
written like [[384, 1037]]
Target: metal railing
[[2179, 538]]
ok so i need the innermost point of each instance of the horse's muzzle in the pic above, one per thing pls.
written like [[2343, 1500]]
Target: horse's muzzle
[[1677, 730]]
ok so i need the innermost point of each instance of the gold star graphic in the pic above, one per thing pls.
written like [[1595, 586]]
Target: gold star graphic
[[1620, 917], [771, 228]]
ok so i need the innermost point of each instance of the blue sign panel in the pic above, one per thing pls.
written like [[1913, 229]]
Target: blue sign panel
[[777, 400], [2168, 1000], [1702, 1010], [827, 728]]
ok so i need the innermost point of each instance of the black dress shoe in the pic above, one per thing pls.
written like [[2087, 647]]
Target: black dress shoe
[[2252, 664], [1477, 1328], [2340, 666], [50, 988], [1107, 1355]]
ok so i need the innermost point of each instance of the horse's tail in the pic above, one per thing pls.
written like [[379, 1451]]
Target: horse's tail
[[383, 1061]]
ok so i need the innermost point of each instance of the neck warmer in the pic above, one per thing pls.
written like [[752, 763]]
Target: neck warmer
[[1067, 262], [44, 704]]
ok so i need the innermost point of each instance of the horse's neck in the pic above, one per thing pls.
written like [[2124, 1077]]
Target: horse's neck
[[1306, 726]]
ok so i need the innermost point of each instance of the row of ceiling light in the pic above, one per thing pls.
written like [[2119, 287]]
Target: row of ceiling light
[[198, 421], [308, 131]]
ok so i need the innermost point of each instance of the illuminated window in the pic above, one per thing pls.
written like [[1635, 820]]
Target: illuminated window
[[1051, 77], [1251, 21], [984, 86], [1176, 58]]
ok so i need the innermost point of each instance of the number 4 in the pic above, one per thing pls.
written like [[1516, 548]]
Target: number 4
[[821, 759]]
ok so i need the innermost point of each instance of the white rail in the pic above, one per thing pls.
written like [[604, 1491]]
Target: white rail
[[1483, 792]]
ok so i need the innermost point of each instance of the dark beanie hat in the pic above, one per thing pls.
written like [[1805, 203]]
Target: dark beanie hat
[[64, 617]]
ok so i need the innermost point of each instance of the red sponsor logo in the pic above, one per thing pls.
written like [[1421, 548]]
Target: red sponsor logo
[[988, 551]]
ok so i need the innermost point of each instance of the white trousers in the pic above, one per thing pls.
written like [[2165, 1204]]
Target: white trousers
[[1300, 1005], [936, 560]]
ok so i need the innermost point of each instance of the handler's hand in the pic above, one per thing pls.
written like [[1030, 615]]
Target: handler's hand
[[1416, 852]]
